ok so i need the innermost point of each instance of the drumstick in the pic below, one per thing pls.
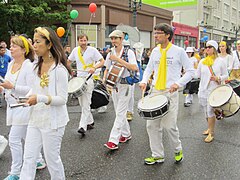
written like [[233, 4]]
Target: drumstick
[[159, 93]]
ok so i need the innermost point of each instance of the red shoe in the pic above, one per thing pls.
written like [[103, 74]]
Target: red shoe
[[124, 139], [111, 145]]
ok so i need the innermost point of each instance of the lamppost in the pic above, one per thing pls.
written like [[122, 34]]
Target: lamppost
[[236, 29], [134, 5]]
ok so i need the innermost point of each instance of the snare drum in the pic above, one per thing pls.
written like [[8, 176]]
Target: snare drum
[[153, 107], [77, 86], [114, 75], [224, 99]]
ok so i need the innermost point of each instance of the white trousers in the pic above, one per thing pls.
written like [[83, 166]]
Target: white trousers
[[120, 102], [16, 136], [169, 123], [85, 102], [189, 98], [131, 100], [51, 141]]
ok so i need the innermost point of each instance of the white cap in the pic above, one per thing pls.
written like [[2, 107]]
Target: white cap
[[116, 33], [212, 43], [189, 49]]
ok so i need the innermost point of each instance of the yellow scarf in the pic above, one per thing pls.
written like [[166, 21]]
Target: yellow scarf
[[209, 60], [161, 82], [85, 66]]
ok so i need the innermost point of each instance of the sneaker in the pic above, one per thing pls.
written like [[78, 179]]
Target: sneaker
[[124, 139], [3, 144], [81, 131], [102, 109], [187, 104], [12, 177], [179, 156], [129, 116], [153, 160], [111, 145], [41, 165], [90, 126], [209, 138]]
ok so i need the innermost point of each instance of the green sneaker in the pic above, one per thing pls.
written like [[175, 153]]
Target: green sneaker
[[153, 160], [179, 156]]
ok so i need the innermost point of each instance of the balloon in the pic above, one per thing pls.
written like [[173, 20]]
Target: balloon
[[74, 14], [60, 31], [204, 30], [205, 38], [202, 39], [92, 7], [186, 42]]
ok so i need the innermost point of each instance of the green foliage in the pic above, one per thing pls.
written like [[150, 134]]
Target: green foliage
[[22, 16]]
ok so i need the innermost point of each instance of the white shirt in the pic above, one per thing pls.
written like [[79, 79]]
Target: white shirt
[[91, 55], [230, 62], [203, 72], [236, 58], [176, 59], [131, 60]]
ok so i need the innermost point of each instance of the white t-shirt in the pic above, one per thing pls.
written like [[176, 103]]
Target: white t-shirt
[[230, 62], [131, 60], [90, 56], [236, 58]]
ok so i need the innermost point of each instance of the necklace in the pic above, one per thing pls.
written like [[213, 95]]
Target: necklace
[[2, 62], [44, 80], [13, 72]]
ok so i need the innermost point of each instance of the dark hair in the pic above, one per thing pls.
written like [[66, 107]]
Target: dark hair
[[166, 28], [228, 50], [81, 36], [56, 50]]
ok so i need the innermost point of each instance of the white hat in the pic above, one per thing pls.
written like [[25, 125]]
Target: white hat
[[189, 49], [116, 33], [212, 43]]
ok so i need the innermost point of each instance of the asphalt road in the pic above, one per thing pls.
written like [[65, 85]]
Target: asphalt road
[[87, 158]]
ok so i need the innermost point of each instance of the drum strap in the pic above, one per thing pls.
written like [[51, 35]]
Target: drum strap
[[85, 66], [238, 55], [211, 70]]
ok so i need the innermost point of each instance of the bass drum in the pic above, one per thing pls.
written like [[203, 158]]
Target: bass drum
[[100, 95]]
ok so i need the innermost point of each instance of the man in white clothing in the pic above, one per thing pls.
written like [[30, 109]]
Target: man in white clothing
[[171, 59], [86, 58]]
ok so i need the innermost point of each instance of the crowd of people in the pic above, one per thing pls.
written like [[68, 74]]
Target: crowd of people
[[35, 78]]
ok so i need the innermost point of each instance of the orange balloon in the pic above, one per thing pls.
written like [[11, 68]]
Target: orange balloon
[[60, 31]]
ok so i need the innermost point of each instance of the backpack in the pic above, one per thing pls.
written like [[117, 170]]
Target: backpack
[[135, 76]]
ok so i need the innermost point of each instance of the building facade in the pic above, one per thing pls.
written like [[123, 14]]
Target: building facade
[[111, 13]]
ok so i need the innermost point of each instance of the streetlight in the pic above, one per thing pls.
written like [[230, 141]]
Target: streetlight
[[134, 5]]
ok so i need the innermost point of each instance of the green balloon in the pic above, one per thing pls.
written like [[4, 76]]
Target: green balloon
[[74, 14]]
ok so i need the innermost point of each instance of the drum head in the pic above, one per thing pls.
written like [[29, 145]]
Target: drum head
[[152, 102], [220, 95], [75, 83]]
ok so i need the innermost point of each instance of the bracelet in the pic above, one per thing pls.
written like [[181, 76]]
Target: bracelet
[[49, 100]]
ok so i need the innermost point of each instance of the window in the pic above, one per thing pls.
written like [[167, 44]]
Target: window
[[225, 25], [226, 9], [234, 13], [90, 31]]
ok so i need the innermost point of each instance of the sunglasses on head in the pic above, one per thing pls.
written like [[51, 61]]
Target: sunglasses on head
[[208, 47]]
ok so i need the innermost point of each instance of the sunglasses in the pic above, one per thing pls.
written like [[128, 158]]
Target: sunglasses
[[208, 47]]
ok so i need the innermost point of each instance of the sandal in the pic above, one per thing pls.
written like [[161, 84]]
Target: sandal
[[206, 132], [209, 138]]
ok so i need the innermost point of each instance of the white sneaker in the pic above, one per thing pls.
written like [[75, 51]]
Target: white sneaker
[[3, 144], [41, 165]]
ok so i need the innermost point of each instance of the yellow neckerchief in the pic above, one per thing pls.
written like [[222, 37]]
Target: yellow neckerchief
[[161, 82], [209, 60], [85, 66]]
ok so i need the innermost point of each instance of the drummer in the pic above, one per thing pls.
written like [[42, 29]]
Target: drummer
[[211, 71], [236, 56], [166, 61], [194, 62], [86, 57]]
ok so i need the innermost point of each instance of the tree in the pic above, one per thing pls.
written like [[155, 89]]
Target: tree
[[22, 16]]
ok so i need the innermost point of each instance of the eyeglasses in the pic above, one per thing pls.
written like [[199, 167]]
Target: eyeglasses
[[208, 47]]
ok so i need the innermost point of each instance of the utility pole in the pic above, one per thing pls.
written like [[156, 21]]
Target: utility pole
[[134, 5], [236, 29]]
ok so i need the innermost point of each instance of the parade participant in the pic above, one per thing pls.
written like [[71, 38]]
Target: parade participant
[[194, 63], [236, 53], [86, 57], [22, 53], [211, 71], [225, 55], [7, 51], [49, 82], [120, 95], [166, 61]]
